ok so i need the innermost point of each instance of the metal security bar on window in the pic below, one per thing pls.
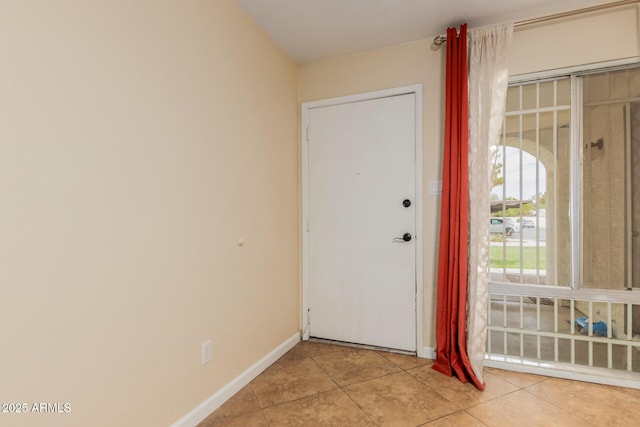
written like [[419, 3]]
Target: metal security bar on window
[[530, 235], [539, 326]]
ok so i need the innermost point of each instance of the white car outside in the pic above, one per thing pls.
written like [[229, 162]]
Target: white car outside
[[504, 225]]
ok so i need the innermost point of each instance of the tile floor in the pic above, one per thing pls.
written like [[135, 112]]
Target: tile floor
[[319, 384]]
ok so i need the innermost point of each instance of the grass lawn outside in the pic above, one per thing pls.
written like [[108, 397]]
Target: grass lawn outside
[[512, 256]]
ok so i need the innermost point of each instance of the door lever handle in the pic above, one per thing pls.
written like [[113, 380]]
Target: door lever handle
[[406, 237]]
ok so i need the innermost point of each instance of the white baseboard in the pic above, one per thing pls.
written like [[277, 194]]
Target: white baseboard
[[216, 400], [427, 353]]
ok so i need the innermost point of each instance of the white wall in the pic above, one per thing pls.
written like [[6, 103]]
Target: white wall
[[139, 139]]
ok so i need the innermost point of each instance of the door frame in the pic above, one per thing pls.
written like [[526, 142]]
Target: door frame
[[304, 131]]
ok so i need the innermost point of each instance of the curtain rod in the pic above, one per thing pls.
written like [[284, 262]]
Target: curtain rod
[[440, 40]]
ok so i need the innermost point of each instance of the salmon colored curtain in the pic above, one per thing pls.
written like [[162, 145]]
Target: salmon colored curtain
[[451, 315]]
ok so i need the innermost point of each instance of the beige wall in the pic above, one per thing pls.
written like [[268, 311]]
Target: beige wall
[[596, 37], [588, 39], [139, 139]]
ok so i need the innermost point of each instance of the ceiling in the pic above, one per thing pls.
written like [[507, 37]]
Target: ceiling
[[312, 30]]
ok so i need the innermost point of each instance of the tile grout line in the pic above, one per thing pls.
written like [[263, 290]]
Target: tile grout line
[[432, 389], [412, 372], [255, 395], [265, 417], [461, 411], [343, 388], [335, 382], [356, 403], [358, 382], [474, 417], [405, 371], [310, 395], [359, 407], [578, 414], [302, 397], [324, 371], [519, 388]]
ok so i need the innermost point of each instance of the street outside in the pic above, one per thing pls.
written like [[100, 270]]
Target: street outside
[[529, 235], [527, 238]]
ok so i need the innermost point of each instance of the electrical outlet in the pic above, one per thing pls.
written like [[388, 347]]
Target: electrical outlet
[[206, 351]]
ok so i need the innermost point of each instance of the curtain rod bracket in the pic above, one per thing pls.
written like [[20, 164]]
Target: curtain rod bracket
[[439, 40]]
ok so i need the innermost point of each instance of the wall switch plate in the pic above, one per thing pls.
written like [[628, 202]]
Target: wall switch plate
[[435, 188], [206, 352]]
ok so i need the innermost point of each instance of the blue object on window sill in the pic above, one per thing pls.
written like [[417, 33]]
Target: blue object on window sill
[[599, 328]]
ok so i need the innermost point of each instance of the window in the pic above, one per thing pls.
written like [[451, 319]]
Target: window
[[566, 177], [531, 177], [570, 180]]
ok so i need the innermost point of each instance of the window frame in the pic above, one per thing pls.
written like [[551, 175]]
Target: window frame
[[576, 190]]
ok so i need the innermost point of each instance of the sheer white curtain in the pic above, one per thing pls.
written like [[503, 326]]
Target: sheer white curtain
[[488, 81]]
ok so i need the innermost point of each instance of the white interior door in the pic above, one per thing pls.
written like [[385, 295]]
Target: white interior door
[[361, 202]]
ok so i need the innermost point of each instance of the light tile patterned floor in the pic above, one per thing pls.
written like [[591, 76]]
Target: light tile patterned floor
[[318, 384]]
